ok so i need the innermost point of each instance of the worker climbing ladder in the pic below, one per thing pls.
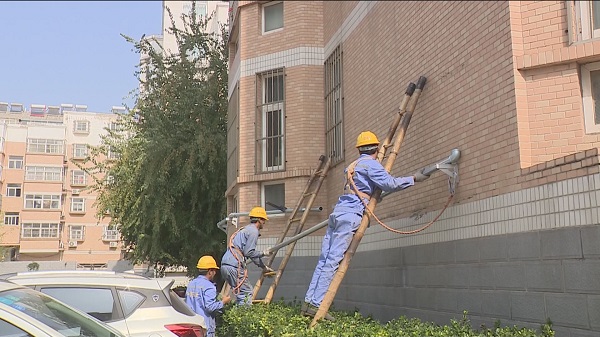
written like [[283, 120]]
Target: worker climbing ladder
[[403, 118], [305, 201]]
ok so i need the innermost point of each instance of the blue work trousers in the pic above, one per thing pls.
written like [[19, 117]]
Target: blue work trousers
[[340, 230], [231, 276]]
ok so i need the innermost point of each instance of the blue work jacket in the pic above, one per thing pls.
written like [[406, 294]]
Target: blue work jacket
[[245, 240], [369, 174], [201, 296]]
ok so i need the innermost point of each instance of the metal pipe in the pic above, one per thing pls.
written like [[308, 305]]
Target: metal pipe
[[428, 170], [452, 159], [298, 236], [222, 224]]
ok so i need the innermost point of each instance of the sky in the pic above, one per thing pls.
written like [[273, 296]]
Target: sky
[[54, 52]]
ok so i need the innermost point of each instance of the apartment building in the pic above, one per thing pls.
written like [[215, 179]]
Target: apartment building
[[512, 85], [217, 10], [48, 208]]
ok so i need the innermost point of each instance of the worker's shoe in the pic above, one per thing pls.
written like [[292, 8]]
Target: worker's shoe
[[303, 308], [312, 311]]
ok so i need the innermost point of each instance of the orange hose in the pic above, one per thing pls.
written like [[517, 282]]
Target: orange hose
[[234, 250], [396, 230]]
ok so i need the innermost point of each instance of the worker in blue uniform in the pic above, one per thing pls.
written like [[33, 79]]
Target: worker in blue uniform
[[242, 246], [201, 294], [362, 177]]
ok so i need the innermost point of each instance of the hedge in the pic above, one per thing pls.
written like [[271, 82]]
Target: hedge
[[284, 320]]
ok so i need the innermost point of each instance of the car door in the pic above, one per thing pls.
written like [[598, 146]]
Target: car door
[[97, 301], [12, 325]]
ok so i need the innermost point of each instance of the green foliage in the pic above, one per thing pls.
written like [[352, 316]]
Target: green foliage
[[284, 320], [33, 266], [168, 182]]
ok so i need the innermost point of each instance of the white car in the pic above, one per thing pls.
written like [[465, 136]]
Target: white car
[[135, 305], [25, 312]]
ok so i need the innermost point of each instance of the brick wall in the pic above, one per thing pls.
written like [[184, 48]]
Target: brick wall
[[468, 102], [302, 21], [304, 111]]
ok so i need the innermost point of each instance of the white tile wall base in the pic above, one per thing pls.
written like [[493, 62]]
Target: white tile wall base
[[286, 58], [568, 203]]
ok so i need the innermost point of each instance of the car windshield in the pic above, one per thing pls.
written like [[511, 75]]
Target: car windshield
[[68, 322]]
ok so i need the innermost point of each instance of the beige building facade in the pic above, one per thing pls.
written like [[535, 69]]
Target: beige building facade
[[216, 10], [48, 207], [512, 85]]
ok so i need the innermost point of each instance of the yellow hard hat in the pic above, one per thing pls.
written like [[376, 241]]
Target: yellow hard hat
[[258, 212], [207, 262], [366, 138]]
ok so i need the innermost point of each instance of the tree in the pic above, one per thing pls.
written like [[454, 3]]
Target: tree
[[167, 179]]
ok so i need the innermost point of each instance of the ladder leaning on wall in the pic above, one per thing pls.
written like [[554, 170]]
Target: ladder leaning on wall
[[305, 202]]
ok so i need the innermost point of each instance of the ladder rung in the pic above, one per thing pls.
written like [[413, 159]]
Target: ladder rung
[[258, 301], [295, 219]]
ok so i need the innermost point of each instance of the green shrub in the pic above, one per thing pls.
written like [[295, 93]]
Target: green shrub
[[284, 320], [33, 266]]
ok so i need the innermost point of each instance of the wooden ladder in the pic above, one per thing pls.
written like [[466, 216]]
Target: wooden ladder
[[305, 202], [407, 107]]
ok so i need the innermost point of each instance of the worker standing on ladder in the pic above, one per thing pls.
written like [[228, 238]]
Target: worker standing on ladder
[[242, 246], [362, 177]]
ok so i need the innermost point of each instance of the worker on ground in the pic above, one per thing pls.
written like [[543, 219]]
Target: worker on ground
[[362, 177], [201, 294], [242, 246]]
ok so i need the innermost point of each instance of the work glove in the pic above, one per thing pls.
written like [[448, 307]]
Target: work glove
[[419, 176], [267, 252]]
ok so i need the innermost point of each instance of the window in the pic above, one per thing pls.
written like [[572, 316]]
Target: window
[[590, 84], [43, 173], [52, 146], [114, 126], [15, 162], [80, 150], [13, 190], [42, 201], [81, 127], [200, 10], [273, 194], [97, 302], [39, 230], [109, 179], [11, 219], [112, 154], [334, 107], [77, 205], [130, 300], [270, 120], [9, 330], [76, 232], [584, 23], [272, 14], [110, 233], [78, 178]]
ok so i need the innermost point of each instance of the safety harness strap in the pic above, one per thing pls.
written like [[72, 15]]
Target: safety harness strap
[[348, 187]]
